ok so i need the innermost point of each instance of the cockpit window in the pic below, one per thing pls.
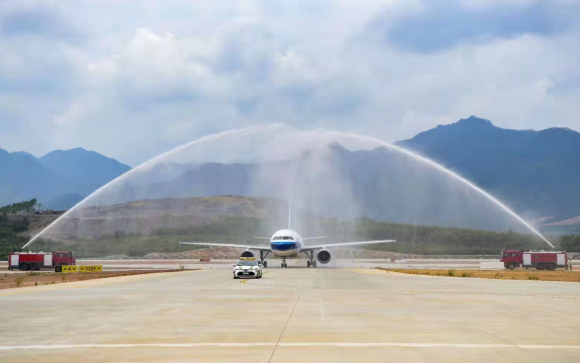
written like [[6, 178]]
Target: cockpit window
[[285, 238]]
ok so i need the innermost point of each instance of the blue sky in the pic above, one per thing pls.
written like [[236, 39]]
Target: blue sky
[[133, 78]]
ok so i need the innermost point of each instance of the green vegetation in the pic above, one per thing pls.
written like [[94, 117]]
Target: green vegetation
[[10, 226], [431, 240], [10, 241], [570, 243], [28, 206], [425, 240]]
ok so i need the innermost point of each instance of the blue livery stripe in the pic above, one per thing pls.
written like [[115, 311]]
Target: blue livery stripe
[[283, 246]]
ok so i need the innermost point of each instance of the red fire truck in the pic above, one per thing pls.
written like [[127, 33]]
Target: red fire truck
[[541, 260], [26, 261]]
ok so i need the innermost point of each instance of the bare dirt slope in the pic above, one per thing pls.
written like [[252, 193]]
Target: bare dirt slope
[[147, 216]]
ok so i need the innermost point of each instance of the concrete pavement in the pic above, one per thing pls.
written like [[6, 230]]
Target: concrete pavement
[[292, 315]]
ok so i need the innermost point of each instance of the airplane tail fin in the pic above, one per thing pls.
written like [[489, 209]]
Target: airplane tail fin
[[289, 215]]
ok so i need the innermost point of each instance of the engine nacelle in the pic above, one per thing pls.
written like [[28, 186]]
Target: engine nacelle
[[323, 257], [247, 253]]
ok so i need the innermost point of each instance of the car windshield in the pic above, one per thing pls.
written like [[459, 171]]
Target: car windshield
[[247, 263]]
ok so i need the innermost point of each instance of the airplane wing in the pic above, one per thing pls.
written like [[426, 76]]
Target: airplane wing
[[209, 244], [307, 238], [345, 244]]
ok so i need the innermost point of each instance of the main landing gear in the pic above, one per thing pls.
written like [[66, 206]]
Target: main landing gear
[[310, 262], [263, 255]]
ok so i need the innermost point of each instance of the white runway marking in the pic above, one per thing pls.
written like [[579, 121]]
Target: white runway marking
[[196, 345]]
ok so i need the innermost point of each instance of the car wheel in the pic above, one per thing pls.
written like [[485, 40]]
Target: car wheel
[[511, 265]]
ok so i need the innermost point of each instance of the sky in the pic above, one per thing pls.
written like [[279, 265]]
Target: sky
[[133, 78]]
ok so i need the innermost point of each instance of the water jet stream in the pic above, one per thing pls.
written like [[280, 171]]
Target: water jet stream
[[316, 135], [461, 179]]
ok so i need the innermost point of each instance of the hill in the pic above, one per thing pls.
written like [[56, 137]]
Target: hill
[[381, 184], [84, 167], [58, 180], [140, 228], [536, 172]]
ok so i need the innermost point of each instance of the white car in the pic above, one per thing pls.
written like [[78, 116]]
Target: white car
[[247, 267]]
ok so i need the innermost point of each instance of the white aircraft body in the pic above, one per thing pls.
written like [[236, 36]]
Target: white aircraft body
[[287, 243]]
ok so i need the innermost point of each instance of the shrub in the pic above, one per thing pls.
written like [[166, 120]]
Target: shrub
[[451, 272]]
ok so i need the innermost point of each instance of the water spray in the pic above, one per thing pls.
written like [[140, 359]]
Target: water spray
[[314, 136]]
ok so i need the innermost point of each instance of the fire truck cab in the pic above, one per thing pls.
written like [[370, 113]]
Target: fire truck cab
[[540, 260]]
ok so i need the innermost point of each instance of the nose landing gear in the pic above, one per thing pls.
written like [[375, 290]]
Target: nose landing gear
[[284, 264]]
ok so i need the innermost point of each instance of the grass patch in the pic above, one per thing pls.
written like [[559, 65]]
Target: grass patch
[[13, 281], [559, 275]]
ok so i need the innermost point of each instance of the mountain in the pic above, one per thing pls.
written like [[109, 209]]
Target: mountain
[[84, 167], [23, 177], [57, 179], [537, 173]]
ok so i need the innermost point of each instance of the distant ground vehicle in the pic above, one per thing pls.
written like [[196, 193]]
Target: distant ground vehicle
[[246, 267], [26, 261], [541, 260]]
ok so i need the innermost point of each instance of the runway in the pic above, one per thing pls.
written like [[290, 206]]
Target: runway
[[292, 315]]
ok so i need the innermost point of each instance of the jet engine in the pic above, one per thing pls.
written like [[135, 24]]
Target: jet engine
[[323, 257], [247, 253]]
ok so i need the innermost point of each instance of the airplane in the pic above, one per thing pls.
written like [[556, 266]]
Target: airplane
[[287, 243]]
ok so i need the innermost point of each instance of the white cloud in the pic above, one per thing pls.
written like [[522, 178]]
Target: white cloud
[[150, 75]]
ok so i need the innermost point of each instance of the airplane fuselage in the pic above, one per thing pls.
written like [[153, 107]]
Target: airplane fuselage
[[286, 243]]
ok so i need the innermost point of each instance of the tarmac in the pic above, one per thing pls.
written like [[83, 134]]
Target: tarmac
[[292, 315]]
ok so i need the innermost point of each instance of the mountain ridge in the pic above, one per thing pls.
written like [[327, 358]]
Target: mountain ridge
[[55, 176], [535, 172]]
